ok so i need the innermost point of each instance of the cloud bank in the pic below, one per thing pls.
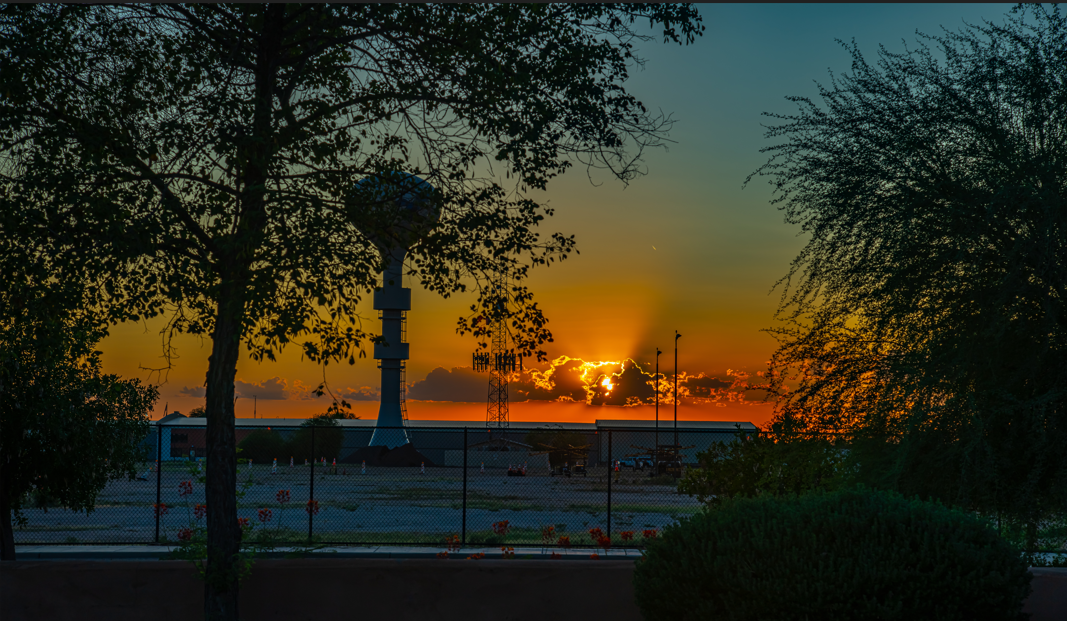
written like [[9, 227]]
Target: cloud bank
[[622, 383]]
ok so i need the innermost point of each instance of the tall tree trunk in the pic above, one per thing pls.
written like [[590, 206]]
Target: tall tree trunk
[[7, 536], [223, 532]]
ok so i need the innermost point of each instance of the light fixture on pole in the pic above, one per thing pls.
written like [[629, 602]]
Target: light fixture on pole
[[676, 337]]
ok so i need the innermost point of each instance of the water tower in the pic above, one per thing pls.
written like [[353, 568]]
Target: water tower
[[394, 210]]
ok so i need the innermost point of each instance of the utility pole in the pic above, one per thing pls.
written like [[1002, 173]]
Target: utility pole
[[655, 459], [676, 337]]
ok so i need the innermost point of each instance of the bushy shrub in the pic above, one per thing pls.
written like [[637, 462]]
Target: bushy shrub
[[851, 554], [263, 446], [328, 438]]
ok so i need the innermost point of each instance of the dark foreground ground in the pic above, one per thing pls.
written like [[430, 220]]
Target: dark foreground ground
[[329, 590]]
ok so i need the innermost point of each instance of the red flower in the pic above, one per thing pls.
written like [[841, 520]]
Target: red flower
[[200, 511], [161, 509], [627, 535], [283, 496], [185, 488], [501, 528], [548, 533], [476, 556], [564, 541], [604, 542], [595, 534], [649, 534], [453, 543], [264, 515], [243, 523], [312, 507], [594, 556], [442, 555], [557, 555], [185, 534]]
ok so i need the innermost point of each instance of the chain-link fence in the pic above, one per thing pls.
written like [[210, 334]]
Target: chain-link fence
[[323, 484]]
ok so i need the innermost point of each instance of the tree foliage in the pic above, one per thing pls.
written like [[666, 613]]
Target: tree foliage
[[199, 162], [776, 462], [66, 428], [926, 315]]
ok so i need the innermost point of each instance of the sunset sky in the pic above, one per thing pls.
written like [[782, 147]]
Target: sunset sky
[[682, 248]]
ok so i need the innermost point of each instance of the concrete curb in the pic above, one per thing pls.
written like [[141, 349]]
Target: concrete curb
[[162, 552]]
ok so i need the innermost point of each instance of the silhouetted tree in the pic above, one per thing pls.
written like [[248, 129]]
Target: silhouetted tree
[[66, 428], [199, 161], [926, 315]]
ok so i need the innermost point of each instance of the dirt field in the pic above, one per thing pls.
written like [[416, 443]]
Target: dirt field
[[385, 505]]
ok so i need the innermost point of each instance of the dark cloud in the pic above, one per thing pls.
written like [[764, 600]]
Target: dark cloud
[[630, 386], [193, 391], [562, 381], [573, 379], [459, 384], [704, 386]]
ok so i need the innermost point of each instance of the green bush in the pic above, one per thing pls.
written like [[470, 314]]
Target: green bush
[[851, 554], [327, 441], [263, 446]]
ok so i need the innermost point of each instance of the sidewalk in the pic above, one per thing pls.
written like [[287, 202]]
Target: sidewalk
[[161, 552]]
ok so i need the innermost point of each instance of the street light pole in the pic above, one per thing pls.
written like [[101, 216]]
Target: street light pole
[[676, 337], [655, 455]]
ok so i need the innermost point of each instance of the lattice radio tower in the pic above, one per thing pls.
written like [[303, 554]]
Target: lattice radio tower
[[500, 362]]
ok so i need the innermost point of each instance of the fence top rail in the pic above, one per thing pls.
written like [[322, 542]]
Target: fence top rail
[[435, 425]]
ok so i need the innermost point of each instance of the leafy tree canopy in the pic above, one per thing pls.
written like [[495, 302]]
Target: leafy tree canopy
[[926, 315], [201, 162], [66, 428]]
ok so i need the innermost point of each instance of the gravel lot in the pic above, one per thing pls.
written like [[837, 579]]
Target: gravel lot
[[385, 505]]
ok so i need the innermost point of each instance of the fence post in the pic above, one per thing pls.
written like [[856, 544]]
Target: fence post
[[463, 537], [159, 472], [311, 490], [611, 464]]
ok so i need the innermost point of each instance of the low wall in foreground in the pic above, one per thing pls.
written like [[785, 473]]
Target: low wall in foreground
[[393, 589]]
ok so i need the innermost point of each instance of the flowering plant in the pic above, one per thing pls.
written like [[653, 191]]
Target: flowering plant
[[626, 535], [312, 507], [264, 515], [507, 552], [442, 555], [501, 528], [564, 541], [476, 556], [649, 534], [557, 555], [594, 556], [282, 496], [453, 543], [192, 539]]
